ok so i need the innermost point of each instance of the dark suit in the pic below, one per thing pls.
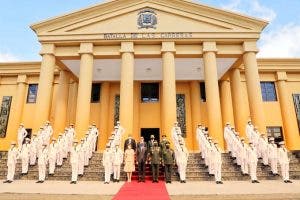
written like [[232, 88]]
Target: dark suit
[[130, 141], [141, 157]]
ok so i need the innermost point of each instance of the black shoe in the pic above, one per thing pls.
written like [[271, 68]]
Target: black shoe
[[256, 181], [7, 181], [253, 181], [42, 182], [289, 181], [118, 181], [220, 182], [75, 182], [217, 182], [38, 182], [10, 181], [184, 181]]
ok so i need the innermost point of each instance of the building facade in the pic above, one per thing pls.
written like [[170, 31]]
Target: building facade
[[148, 64]]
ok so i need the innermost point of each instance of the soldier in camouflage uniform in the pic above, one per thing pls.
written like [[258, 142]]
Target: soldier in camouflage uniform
[[168, 161], [155, 159]]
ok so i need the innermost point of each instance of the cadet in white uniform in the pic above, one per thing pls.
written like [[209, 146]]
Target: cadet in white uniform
[[42, 162], [60, 148], [117, 159], [22, 133], [217, 163], [12, 158], [95, 134], [48, 132], [243, 157], [33, 149], [70, 135], [249, 131], [25, 156], [284, 162], [273, 156], [263, 148], [106, 161], [252, 160], [227, 136], [182, 158], [74, 160], [52, 155], [81, 157]]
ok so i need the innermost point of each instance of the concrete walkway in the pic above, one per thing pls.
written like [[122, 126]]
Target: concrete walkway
[[191, 190]]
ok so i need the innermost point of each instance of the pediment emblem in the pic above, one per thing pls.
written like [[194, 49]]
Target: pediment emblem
[[147, 18]]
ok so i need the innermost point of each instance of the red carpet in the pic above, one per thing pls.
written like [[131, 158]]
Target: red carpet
[[143, 191]]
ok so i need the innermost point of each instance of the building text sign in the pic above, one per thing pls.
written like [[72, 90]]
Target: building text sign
[[134, 36]]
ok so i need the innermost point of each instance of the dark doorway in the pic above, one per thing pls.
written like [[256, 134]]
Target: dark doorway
[[146, 132]]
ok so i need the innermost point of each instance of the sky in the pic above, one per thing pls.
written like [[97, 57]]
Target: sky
[[18, 42]]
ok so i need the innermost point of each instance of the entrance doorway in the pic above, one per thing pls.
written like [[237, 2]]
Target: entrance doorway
[[147, 132]]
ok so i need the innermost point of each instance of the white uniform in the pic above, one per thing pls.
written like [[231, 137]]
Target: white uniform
[[227, 137], [117, 159], [70, 135], [217, 163], [249, 132], [22, 133], [12, 158], [60, 149], [273, 157], [263, 149], [182, 158], [52, 157], [42, 162], [106, 161], [74, 162], [48, 133], [33, 150], [86, 153], [284, 161], [25, 157], [82, 150], [243, 157], [252, 160], [95, 134]]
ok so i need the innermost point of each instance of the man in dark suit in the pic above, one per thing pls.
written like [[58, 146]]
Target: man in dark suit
[[130, 141], [141, 158]]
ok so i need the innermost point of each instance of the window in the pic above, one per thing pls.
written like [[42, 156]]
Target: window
[[296, 98], [32, 93], [268, 91], [95, 96], [202, 92], [276, 132], [149, 92]]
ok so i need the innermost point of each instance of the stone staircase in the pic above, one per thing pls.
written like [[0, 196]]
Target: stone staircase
[[196, 170]]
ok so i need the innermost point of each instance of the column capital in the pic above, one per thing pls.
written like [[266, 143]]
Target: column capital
[[168, 47], [209, 47], [47, 49], [86, 48], [22, 78], [281, 76], [250, 47], [127, 47]]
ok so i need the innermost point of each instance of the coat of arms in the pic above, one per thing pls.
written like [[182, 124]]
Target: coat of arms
[[147, 19]]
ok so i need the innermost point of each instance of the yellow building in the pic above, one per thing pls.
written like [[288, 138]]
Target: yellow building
[[150, 63]]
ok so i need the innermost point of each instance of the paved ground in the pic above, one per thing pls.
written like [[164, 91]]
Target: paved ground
[[233, 190]]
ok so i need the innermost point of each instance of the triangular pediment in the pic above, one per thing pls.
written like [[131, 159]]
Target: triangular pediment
[[122, 16]]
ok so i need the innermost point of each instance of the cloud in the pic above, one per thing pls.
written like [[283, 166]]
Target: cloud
[[282, 42], [7, 57], [252, 8]]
